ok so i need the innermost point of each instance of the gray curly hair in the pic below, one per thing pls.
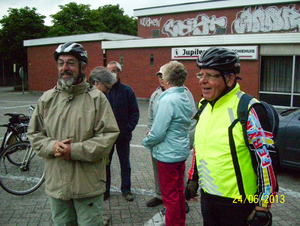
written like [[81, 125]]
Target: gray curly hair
[[102, 75]]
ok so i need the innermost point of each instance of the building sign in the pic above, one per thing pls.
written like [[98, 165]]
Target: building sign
[[192, 53]]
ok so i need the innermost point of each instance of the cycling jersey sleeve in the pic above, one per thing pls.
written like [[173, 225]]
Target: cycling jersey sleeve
[[261, 142]]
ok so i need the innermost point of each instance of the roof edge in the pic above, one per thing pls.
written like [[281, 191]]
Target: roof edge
[[237, 39], [78, 38], [203, 5]]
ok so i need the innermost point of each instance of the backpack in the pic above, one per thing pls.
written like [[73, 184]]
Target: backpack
[[242, 113], [272, 114]]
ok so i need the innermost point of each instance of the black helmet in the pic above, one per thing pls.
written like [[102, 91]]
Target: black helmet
[[72, 48], [220, 59]]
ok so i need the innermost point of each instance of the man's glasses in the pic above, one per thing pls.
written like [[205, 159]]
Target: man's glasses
[[70, 63], [207, 76]]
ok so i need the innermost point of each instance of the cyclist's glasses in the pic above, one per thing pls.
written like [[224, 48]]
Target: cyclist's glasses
[[208, 76], [70, 63]]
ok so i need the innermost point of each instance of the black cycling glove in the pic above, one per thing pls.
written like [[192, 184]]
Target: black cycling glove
[[260, 218]]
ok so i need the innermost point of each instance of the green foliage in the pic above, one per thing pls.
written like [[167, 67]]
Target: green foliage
[[20, 24], [75, 19], [116, 22]]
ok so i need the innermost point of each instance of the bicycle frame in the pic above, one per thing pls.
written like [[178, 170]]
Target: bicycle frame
[[28, 156], [12, 129], [7, 133]]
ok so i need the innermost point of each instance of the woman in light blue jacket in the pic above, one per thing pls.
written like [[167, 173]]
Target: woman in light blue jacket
[[169, 141]]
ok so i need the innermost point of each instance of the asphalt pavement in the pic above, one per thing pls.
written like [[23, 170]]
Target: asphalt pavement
[[34, 209]]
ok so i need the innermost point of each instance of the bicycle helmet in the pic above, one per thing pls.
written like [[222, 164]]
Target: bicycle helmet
[[220, 59], [74, 49]]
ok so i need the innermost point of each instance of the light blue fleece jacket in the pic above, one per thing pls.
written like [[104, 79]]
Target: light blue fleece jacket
[[169, 137]]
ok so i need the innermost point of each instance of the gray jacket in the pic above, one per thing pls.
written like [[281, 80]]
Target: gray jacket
[[84, 115]]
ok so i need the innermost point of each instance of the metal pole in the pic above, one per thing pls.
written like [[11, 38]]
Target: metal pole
[[3, 71]]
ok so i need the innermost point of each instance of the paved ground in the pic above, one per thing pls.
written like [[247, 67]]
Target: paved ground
[[34, 209]]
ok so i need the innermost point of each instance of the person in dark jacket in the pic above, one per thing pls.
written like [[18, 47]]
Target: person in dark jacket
[[124, 104]]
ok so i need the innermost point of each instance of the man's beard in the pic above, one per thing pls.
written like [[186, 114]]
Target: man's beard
[[69, 81]]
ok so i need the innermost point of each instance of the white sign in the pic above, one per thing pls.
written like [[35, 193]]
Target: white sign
[[192, 53]]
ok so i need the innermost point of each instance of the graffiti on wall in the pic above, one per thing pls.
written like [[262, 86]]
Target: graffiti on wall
[[268, 20], [249, 20], [148, 22], [201, 25]]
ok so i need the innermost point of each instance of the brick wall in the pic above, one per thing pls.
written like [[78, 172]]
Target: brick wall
[[140, 75]]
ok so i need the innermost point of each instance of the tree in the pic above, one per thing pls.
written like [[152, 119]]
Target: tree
[[116, 22], [75, 19], [21, 24]]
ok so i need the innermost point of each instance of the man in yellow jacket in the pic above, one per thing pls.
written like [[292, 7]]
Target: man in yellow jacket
[[73, 128], [237, 184]]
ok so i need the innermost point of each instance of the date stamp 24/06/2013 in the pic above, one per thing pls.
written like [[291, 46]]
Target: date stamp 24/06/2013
[[254, 199]]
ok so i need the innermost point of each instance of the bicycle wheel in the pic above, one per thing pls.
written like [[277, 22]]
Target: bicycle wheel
[[23, 178], [14, 137]]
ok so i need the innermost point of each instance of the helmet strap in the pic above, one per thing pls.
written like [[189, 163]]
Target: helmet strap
[[80, 75]]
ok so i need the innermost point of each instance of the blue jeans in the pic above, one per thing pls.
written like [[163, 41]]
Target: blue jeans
[[123, 150]]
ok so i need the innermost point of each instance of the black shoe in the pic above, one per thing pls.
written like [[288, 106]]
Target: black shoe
[[187, 208], [128, 196], [163, 211], [106, 196], [154, 202]]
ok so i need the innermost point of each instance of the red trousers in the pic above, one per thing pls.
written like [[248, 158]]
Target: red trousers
[[172, 191]]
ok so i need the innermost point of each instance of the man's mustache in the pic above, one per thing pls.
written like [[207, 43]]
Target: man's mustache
[[66, 73]]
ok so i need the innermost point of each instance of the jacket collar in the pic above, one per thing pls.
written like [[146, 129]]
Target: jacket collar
[[117, 84], [228, 95]]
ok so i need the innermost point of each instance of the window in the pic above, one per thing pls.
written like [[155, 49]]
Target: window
[[122, 60], [151, 59], [279, 82]]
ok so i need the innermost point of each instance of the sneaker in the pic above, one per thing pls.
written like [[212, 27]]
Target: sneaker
[[128, 196], [154, 202], [106, 196]]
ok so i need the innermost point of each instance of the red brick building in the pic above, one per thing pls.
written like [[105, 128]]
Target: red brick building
[[265, 33]]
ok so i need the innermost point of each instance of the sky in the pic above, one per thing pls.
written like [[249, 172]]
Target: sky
[[48, 7]]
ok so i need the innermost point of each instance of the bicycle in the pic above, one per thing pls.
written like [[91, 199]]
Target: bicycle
[[21, 170], [16, 128], [25, 173]]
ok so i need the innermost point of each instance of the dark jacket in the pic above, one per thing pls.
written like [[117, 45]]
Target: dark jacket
[[124, 104]]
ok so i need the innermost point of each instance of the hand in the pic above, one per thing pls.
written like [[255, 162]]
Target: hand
[[191, 189], [62, 149], [261, 217], [148, 132]]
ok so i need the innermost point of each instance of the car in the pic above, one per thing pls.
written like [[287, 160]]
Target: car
[[288, 139]]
